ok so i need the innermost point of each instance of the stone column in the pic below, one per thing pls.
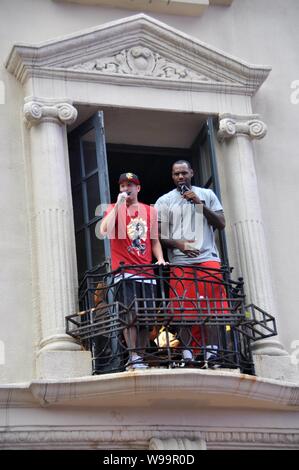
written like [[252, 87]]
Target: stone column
[[236, 134], [59, 355]]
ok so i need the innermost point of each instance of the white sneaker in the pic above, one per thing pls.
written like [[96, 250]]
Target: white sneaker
[[140, 365], [136, 362], [211, 352], [187, 354], [212, 356]]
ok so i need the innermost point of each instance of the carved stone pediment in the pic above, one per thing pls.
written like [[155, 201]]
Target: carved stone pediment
[[141, 51], [139, 60]]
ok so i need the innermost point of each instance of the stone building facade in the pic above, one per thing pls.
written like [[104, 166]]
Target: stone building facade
[[156, 73]]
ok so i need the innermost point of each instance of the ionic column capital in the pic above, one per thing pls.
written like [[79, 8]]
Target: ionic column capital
[[37, 110], [232, 125]]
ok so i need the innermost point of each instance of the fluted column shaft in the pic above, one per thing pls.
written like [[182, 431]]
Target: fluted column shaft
[[237, 133], [53, 218]]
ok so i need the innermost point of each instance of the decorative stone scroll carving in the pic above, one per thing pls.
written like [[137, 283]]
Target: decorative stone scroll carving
[[39, 110], [231, 125], [140, 60], [177, 444]]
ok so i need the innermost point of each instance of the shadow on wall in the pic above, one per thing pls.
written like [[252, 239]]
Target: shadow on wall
[[2, 92], [2, 353]]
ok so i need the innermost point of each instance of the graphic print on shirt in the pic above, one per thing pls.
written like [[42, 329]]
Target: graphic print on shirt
[[137, 230]]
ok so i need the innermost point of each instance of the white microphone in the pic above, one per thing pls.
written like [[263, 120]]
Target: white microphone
[[122, 197]]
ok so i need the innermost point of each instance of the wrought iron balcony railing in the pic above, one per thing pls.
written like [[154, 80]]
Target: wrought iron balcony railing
[[173, 316]]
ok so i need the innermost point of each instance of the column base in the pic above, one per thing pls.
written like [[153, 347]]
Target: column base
[[268, 347], [276, 367], [63, 364], [60, 342]]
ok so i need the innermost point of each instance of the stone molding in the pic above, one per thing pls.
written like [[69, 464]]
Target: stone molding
[[176, 443], [252, 439], [67, 58], [168, 7], [154, 438], [231, 125], [124, 391], [37, 110]]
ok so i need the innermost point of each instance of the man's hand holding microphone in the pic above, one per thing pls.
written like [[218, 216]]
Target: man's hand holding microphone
[[121, 198]]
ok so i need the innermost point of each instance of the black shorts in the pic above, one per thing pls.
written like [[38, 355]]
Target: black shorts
[[133, 311]]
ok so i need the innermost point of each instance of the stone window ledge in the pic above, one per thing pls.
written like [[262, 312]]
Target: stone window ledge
[[172, 7]]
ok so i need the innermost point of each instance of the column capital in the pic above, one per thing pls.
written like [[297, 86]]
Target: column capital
[[37, 110], [232, 125]]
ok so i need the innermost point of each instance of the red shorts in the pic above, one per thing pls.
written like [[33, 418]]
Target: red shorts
[[203, 293]]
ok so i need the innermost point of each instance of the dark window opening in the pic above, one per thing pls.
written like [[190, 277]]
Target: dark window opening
[[95, 168]]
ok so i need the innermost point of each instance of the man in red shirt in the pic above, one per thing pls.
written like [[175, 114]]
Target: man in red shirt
[[132, 228]]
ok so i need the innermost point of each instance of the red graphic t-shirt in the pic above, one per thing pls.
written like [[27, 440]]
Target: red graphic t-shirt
[[134, 230]]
